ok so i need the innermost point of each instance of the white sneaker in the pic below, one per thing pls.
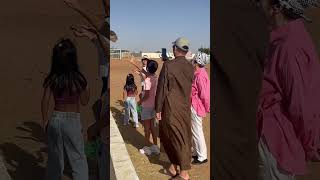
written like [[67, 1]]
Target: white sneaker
[[136, 125], [155, 149], [145, 150]]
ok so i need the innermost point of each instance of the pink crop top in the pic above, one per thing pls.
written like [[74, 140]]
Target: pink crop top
[[67, 99], [130, 93]]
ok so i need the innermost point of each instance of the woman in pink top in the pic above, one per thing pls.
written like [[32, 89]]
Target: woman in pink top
[[200, 105], [289, 108], [148, 113]]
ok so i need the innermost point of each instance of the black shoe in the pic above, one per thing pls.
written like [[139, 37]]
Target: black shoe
[[197, 162], [194, 157]]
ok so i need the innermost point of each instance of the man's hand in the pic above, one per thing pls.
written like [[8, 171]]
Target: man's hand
[[158, 116], [74, 4]]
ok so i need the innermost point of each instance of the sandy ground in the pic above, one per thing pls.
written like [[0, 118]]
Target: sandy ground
[[29, 29], [146, 167]]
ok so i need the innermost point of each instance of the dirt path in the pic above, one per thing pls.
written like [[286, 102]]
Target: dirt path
[[147, 168]]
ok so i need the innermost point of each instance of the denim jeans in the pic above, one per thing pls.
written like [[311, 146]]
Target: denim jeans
[[65, 135], [130, 107]]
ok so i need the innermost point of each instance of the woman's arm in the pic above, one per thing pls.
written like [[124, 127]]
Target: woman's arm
[[124, 95], [74, 4], [203, 88], [85, 96], [45, 106], [102, 40], [134, 63]]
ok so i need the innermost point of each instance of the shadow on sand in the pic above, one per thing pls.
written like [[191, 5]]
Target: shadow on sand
[[23, 164]]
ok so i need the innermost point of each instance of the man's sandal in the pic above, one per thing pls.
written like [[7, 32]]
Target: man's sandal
[[169, 173]]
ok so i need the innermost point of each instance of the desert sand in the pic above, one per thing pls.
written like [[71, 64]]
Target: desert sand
[[146, 167]]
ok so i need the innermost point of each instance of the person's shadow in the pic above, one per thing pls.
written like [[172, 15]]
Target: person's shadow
[[131, 136], [23, 164], [27, 165]]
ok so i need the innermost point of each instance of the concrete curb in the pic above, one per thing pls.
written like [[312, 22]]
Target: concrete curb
[[120, 159], [4, 175]]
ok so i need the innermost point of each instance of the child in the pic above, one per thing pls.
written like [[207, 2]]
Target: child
[[141, 71], [129, 97], [69, 89], [148, 108], [144, 62], [200, 105]]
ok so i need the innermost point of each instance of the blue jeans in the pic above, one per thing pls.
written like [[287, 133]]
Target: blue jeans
[[130, 107], [65, 134]]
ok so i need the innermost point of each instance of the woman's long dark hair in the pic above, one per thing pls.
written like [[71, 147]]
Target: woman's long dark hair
[[64, 76], [130, 84]]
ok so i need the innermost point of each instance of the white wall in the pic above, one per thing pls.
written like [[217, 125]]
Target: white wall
[[151, 55], [156, 55]]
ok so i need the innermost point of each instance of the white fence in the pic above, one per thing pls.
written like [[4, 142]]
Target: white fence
[[123, 54], [119, 54]]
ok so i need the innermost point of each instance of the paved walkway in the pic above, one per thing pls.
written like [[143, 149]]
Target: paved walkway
[[121, 167]]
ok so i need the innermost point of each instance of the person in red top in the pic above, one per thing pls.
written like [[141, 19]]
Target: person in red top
[[129, 97], [200, 105], [288, 114], [69, 89]]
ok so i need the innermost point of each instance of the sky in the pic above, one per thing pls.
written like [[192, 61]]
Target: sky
[[149, 25]]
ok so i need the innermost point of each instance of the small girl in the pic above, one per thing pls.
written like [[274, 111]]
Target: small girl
[[68, 87], [129, 97], [148, 108]]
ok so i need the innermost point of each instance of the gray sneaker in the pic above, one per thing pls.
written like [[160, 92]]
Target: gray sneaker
[[155, 149]]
